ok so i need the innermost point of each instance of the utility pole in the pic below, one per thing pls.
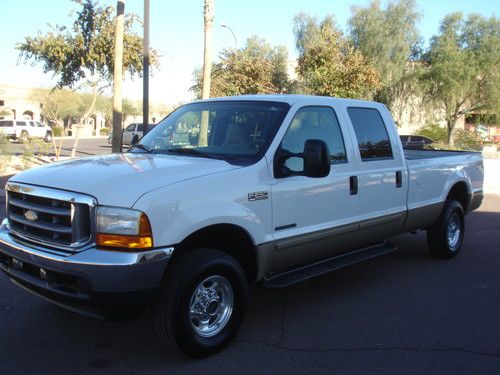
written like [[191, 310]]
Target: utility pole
[[145, 74], [208, 18], [116, 142]]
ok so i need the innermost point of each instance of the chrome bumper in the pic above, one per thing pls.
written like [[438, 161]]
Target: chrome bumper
[[92, 277]]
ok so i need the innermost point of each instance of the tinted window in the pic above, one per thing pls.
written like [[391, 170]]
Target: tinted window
[[140, 127], [32, 123], [373, 140], [130, 128], [314, 123], [4, 124], [20, 123], [39, 125]]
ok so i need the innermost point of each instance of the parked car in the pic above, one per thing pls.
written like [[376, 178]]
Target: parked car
[[22, 130], [269, 189], [131, 134], [415, 142]]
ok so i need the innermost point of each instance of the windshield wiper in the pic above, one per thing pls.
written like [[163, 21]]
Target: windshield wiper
[[190, 151], [142, 147]]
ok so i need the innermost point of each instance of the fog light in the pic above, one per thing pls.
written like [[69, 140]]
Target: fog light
[[43, 274]]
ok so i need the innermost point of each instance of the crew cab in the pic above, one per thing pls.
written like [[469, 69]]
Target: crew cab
[[224, 193], [22, 130]]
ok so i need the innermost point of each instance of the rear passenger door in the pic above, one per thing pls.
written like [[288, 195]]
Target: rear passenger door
[[381, 175]]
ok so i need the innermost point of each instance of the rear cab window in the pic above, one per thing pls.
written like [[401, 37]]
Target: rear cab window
[[371, 133]]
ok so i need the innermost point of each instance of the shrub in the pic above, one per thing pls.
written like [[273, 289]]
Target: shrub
[[5, 156], [435, 132], [466, 140], [57, 131], [104, 131]]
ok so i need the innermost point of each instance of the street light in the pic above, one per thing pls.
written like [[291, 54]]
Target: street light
[[232, 32]]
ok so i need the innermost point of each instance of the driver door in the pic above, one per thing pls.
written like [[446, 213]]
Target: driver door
[[314, 218]]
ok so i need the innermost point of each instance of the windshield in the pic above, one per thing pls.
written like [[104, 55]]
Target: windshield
[[227, 130]]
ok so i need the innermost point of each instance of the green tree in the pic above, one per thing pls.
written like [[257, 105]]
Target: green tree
[[257, 68], [83, 54], [328, 64], [462, 72], [57, 104], [389, 39]]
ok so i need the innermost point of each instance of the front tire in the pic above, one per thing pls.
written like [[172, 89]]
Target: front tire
[[446, 235], [202, 303]]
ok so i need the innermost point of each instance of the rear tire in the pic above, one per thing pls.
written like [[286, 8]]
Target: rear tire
[[446, 235], [48, 137], [202, 303]]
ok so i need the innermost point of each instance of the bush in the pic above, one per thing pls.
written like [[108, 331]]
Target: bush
[[5, 156], [466, 140], [57, 131], [104, 131], [435, 132]]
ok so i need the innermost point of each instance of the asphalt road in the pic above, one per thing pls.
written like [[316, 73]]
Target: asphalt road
[[86, 147], [401, 313]]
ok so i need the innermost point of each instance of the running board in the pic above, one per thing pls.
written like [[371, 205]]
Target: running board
[[297, 275]]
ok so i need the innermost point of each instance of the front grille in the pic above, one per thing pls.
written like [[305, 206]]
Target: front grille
[[45, 219]]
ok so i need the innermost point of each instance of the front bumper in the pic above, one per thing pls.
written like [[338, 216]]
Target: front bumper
[[93, 281]]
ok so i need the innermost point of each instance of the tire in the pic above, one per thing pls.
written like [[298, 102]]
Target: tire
[[48, 137], [134, 140], [446, 235], [23, 137], [175, 323]]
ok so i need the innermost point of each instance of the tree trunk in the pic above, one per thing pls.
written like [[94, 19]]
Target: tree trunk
[[57, 150], [95, 91], [450, 125], [116, 141], [208, 15]]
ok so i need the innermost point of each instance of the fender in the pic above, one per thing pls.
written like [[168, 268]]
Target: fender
[[178, 210]]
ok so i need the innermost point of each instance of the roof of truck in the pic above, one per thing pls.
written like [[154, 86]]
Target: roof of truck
[[293, 98]]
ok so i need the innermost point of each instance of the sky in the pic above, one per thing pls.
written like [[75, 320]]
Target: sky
[[176, 32]]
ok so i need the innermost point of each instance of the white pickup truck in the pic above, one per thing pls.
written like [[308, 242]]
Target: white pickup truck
[[224, 193], [22, 130]]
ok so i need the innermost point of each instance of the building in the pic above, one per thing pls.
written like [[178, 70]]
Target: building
[[15, 103]]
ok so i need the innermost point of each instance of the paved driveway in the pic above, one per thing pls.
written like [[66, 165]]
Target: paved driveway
[[402, 313]]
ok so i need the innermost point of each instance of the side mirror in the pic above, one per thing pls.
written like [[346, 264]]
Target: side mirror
[[316, 160]]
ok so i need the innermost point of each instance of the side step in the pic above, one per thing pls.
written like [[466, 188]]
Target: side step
[[288, 278]]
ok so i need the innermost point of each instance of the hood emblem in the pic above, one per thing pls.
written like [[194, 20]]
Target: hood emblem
[[31, 216]]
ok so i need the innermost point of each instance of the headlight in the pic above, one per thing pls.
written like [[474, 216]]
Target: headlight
[[123, 228]]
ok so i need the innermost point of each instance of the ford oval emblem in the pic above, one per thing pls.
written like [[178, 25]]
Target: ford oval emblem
[[31, 216]]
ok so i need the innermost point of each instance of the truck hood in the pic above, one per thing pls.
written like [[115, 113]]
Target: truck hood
[[120, 179]]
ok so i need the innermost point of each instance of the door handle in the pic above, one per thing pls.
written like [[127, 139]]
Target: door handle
[[399, 179], [353, 185]]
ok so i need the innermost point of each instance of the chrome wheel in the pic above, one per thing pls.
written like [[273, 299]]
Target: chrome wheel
[[211, 306], [454, 231]]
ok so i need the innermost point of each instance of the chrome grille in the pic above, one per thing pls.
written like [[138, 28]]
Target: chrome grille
[[49, 217]]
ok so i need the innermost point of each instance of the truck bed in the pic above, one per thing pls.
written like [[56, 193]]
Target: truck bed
[[426, 154]]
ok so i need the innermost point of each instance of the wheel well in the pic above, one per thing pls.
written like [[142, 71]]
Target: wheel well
[[229, 238], [460, 193]]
